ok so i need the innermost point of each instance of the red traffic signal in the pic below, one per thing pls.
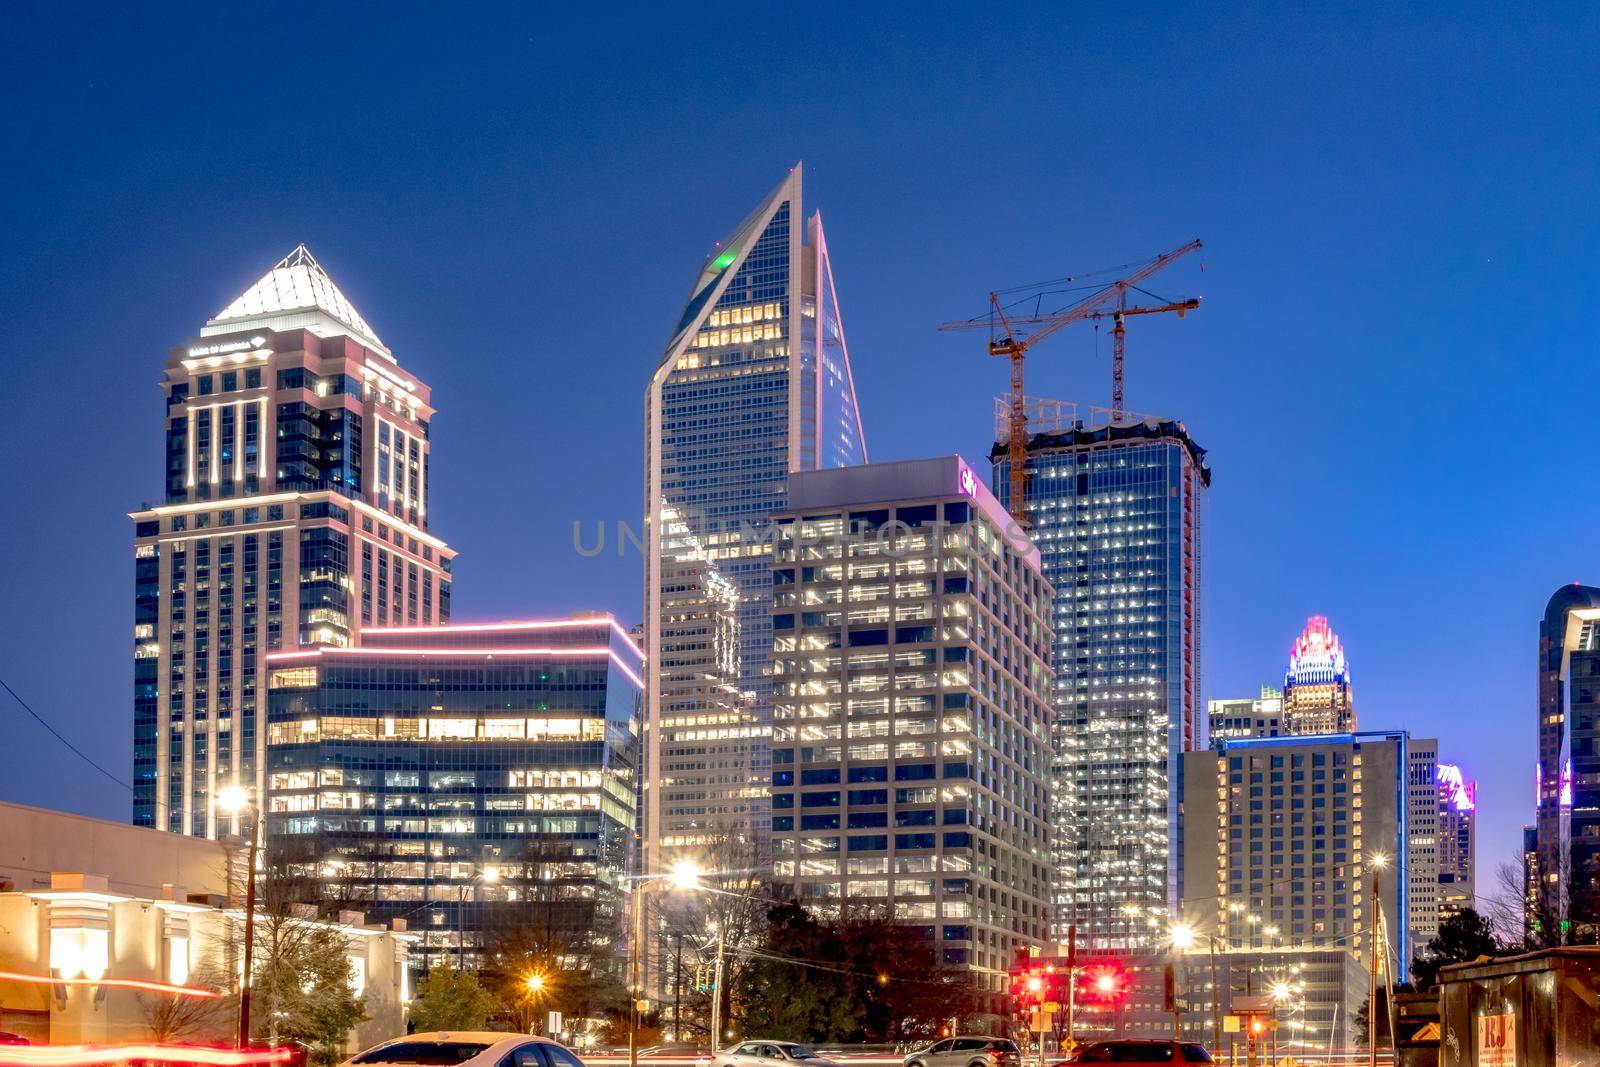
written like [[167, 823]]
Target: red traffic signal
[[1103, 983], [1038, 984]]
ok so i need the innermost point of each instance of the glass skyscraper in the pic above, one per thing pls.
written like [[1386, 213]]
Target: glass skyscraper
[[755, 383], [477, 781], [296, 513], [1115, 506]]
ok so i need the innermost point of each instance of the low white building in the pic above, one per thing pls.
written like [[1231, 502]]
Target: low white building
[[89, 957]]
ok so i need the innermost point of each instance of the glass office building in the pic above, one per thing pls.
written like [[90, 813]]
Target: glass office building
[[477, 781], [1115, 507], [755, 383], [911, 642], [295, 515]]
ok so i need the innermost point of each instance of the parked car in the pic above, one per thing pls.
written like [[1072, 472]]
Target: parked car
[[1141, 1053], [766, 1054], [468, 1049], [7, 1038], [967, 1052]]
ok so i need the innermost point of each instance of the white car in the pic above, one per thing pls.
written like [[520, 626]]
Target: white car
[[467, 1048], [766, 1054]]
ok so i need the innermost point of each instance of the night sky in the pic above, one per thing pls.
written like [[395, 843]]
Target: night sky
[[1390, 369]]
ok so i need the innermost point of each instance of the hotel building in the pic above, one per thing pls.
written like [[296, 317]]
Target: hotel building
[[911, 642], [1316, 689], [754, 384], [474, 779], [1279, 838], [1115, 509], [295, 514]]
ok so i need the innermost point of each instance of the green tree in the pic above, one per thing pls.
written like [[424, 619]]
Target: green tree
[[303, 987], [860, 978], [448, 999], [1463, 937]]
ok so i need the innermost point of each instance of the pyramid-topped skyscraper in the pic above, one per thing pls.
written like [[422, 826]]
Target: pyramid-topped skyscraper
[[755, 383], [295, 515]]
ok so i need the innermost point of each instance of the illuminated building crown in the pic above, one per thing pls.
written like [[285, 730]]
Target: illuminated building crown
[[1317, 658]]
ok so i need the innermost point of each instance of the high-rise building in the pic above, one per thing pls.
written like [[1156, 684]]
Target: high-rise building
[[716, 770], [476, 780], [1458, 819], [1115, 506], [1567, 829], [755, 384], [1280, 835], [1316, 689], [911, 660], [296, 513], [1422, 833], [1260, 716]]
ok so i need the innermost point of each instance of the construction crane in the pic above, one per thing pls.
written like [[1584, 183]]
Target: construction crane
[[1009, 338]]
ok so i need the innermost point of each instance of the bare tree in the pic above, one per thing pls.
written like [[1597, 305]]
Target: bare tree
[[171, 1017]]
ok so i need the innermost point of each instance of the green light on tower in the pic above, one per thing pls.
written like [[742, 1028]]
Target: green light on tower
[[724, 261]]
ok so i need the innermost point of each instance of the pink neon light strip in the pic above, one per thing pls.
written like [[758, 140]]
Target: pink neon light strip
[[326, 651], [511, 624], [89, 1055], [124, 983]]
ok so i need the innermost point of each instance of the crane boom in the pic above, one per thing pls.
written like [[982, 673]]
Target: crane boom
[[1005, 341]]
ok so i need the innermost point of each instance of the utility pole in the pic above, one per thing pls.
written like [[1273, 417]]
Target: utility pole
[[1372, 977], [1072, 981], [677, 988], [1216, 997], [716, 995]]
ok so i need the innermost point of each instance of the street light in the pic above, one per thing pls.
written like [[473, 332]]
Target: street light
[[684, 876], [235, 800], [490, 875], [1185, 936]]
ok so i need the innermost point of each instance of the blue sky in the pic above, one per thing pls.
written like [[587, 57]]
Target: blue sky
[[1389, 369]]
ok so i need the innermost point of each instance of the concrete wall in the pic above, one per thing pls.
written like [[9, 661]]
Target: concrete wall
[[137, 862]]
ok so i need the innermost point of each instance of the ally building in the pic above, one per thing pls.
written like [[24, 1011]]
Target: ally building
[[754, 384], [295, 514]]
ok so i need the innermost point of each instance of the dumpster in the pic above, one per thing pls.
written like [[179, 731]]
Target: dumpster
[[1540, 1009]]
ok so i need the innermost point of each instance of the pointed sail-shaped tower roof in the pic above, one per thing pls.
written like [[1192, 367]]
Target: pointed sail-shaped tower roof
[[296, 292]]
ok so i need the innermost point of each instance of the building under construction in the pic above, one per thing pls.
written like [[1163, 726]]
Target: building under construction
[[1114, 503]]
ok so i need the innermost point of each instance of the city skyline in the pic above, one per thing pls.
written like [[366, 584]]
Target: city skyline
[[114, 279]]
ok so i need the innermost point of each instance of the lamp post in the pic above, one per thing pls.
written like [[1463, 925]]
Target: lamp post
[[235, 800], [534, 984], [684, 876], [490, 874], [1184, 936], [1379, 861]]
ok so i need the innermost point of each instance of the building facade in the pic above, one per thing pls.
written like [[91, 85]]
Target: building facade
[[1246, 716], [477, 779], [1316, 688], [1115, 509], [295, 514], [1422, 830], [1280, 836], [1565, 905], [911, 642], [755, 383], [1458, 820]]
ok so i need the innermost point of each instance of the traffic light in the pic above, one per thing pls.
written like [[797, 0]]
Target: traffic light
[[1103, 983], [1035, 983]]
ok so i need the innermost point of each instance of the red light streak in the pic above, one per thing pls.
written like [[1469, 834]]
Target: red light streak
[[91, 1055], [121, 983]]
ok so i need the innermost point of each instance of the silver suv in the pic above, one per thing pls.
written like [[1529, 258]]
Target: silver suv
[[967, 1052]]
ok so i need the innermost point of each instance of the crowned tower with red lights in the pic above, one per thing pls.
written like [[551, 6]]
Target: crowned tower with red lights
[[1316, 689]]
